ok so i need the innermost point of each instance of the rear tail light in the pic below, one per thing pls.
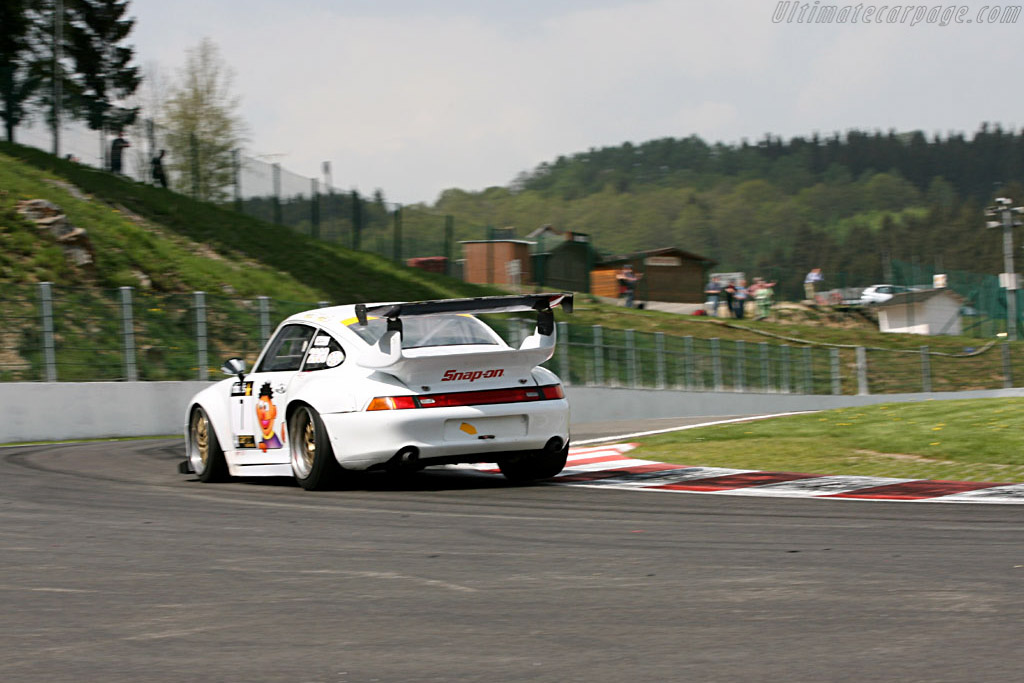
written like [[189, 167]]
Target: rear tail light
[[549, 392], [392, 403]]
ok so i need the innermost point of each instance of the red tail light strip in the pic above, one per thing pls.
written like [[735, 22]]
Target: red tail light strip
[[549, 392]]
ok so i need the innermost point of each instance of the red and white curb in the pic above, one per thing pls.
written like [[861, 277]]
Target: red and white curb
[[607, 466]]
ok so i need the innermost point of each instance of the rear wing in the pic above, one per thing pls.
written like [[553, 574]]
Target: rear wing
[[514, 303], [533, 351]]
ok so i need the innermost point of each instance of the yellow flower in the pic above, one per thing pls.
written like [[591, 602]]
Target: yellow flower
[[934, 443]]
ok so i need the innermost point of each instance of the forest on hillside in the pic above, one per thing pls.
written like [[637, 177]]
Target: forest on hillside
[[848, 203]]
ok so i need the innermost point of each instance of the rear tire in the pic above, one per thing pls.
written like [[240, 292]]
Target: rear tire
[[534, 466], [204, 452], [312, 456]]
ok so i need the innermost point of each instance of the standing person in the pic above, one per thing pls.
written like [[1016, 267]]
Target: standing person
[[117, 151], [739, 299], [159, 175], [811, 283], [729, 291], [713, 291], [764, 297], [627, 283]]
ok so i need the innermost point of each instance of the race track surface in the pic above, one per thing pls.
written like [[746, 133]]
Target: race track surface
[[113, 567]]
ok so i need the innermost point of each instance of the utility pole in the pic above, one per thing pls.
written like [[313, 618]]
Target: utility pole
[[58, 55], [1008, 279]]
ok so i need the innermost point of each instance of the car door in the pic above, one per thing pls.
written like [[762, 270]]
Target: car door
[[258, 403]]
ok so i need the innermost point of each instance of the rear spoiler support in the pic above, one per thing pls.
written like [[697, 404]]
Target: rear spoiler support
[[541, 303]]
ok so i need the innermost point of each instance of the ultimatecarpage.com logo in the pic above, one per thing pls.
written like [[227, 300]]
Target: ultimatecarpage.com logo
[[787, 12]]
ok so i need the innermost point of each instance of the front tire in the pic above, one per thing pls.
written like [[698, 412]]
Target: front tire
[[534, 465], [312, 456], [204, 452]]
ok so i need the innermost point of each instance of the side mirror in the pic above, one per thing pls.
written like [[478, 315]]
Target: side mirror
[[234, 366]]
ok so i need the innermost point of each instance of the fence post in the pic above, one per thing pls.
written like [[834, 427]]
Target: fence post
[[766, 368], [199, 301], [264, 319], [808, 370], [784, 351], [741, 367], [926, 370], [236, 168], [564, 371], [688, 364], [276, 176], [314, 208], [1007, 367], [862, 372], [598, 355], [836, 379], [128, 335], [193, 144], [396, 243], [46, 312], [357, 221], [716, 364], [449, 239], [659, 359], [631, 358]]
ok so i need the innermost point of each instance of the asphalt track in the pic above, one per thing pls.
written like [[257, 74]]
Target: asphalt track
[[113, 567]]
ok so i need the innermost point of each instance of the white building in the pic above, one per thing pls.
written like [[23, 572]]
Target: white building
[[932, 311]]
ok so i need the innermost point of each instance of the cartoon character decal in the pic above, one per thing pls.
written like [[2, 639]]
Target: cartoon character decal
[[266, 412]]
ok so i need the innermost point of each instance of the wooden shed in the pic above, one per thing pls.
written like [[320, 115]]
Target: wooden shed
[[567, 265], [668, 274], [497, 262]]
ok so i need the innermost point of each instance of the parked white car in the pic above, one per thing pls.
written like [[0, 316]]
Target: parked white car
[[395, 386], [876, 294]]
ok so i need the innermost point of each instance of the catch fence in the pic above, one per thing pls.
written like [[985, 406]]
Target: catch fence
[[126, 334]]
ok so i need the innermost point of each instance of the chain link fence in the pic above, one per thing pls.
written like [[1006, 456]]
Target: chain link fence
[[126, 334]]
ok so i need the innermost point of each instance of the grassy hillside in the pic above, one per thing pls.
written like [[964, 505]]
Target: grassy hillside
[[169, 238]]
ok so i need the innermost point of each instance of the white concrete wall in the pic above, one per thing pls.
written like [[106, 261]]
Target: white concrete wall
[[36, 411]]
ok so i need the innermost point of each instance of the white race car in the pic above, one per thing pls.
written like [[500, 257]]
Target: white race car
[[394, 386]]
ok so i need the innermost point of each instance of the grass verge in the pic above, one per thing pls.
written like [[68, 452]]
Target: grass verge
[[969, 440]]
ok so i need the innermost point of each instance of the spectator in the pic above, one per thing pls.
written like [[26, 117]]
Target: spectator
[[811, 282], [739, 299], [713, 291], [159, 175], [117, 152], [729, 291], [764, 295], [627, 284]]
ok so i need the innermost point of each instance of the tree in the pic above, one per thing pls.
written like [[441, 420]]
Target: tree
[[103, 73], [18, 81], [203, 127]]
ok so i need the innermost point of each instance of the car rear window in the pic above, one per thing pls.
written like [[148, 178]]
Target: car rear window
[[430, 330]]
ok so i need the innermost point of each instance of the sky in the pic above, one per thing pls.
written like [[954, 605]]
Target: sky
[[417, 97]]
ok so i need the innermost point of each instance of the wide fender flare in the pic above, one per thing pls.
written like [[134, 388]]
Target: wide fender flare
[[214, 400]]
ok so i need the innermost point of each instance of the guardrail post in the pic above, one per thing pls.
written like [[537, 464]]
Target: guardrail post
[[659, 359], [323, 304], [631, 358], [808, 370], [1007, 367], [862, 372], [926, 370], [836, 378], [766, 368], [199, 301], [784, 352], [264, 302], [716, 364], [564, 370], [741, 370], [598, 355], [131, 372], [46, 312]]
